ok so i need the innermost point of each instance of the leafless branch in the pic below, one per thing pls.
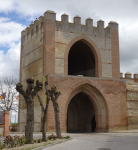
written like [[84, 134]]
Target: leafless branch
[[40, 101], [8, 93]]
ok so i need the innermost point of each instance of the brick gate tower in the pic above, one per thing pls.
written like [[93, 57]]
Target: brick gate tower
[[83, 62]]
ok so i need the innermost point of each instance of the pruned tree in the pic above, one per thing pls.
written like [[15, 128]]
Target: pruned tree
[[44, 110], [53, 95], [29, 95], [8, 94]]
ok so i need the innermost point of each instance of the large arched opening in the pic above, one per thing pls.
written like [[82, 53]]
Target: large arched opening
[[81, 114], [81, 60], [86, 105]]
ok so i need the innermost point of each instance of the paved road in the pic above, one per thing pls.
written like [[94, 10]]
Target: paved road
[[99, 141]]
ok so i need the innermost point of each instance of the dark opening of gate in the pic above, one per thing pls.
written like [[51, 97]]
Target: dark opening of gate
[[81, 114], [81, 60]]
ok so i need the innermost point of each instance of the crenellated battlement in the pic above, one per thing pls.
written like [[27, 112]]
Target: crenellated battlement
[[33, 30], [128, 75], [64, 25], [131, 82]]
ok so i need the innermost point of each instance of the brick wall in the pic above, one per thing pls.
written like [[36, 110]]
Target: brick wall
[[115, 50], [5, 123], [107, 96]]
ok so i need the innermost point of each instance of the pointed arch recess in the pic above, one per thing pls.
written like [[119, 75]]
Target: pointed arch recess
[[95, 96], [94, 49]]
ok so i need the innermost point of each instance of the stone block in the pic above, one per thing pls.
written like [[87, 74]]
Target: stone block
[[37, 127], [22, 126], [37, 114], [132, 104], [106, 56], [23, 115], [64, 37], [33, 56], [132, 112], [59, 66], [132, 120], [60, 50], [33, 44], [32, 70], [107, 70], [134, 126], [132, 95]]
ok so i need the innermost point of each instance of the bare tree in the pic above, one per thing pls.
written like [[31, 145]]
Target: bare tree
[[8, 94], [44, 110], [53, 95], [31, 91]]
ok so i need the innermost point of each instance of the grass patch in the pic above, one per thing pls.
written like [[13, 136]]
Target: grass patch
[[14, 124], [66, 137]]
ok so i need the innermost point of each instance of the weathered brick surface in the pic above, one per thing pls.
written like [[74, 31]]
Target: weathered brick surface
[[115, 51], [49, 43], [107, 96]]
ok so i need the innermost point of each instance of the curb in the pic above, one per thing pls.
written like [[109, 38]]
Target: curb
[[39, 148]]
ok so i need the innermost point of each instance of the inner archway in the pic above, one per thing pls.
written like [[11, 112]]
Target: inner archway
[[81, 114], [81, 60]]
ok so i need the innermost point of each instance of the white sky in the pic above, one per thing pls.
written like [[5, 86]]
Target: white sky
[[15, 14]]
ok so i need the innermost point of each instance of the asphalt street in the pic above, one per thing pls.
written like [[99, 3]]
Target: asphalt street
[[99, 141]]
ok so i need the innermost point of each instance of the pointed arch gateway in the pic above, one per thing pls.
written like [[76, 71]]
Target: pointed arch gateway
[[82, 56], [95, 112]]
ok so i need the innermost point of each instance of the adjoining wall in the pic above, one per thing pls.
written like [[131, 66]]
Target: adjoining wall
[[132, 100]]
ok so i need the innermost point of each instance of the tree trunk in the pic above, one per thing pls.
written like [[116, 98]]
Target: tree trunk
[[57, 121], [30, 123], [31, 91], [44, 115], [44, 128]]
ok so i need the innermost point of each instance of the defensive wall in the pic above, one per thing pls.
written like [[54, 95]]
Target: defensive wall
[[45, 48], [132, 98]]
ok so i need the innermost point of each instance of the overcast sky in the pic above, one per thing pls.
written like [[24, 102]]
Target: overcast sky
[[16, 15]]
